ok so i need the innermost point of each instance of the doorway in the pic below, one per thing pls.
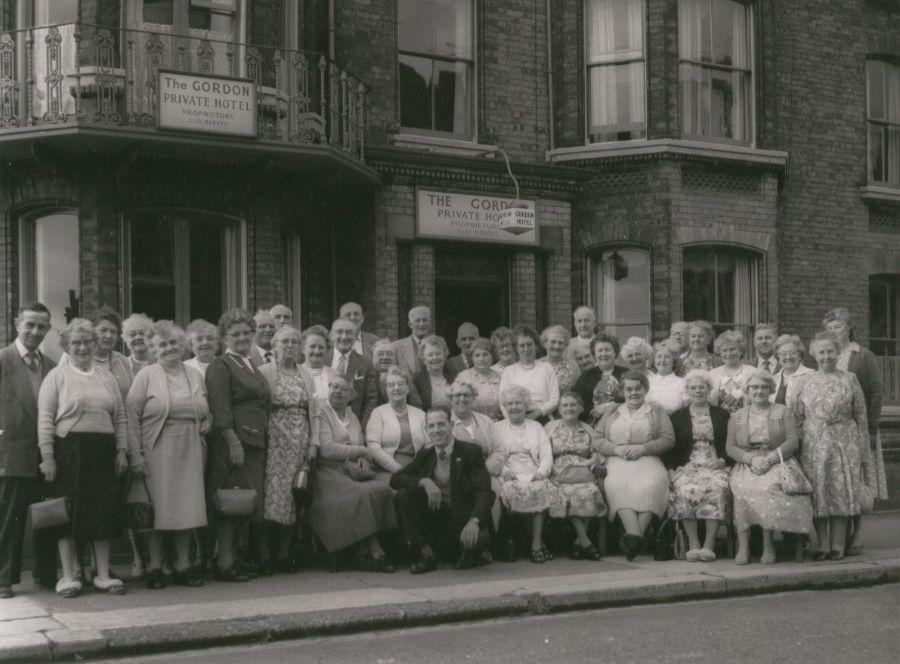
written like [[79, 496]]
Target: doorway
[[471, 285]]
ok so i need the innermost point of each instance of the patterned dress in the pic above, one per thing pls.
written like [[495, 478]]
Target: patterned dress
[[526, 450], [566, 374], [488, 399], [288, 446], [835, 434], [699, 488], [607, 390], [572, 447], [758, 499], [706, 363]]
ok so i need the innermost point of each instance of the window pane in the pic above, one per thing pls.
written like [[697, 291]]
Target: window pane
[[729, 34], [453, 28], [416, 26], [617, 102], [878, 308], [694, 30], [876, 153], [415, 92], [621, 281], [714, 103], [720, 286], [159, 11], [206, 266], [54, 12], [56, 270], [153, 267], [875, 80], [451, 97], [892, 93], [615, 30], [699, 285]]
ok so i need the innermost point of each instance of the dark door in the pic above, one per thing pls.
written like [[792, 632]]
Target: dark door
[[472, 286]]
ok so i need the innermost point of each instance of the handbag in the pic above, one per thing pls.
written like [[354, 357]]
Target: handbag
[[51, 512], [234, 502], [357, 472], [793, 481], [139, 514], [575, 475]]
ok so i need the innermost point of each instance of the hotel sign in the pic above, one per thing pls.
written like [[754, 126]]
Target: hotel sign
[[442, 215], [210, 104]]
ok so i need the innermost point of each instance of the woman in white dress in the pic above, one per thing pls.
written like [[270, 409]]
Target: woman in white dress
[[536, 376], [667, 389]]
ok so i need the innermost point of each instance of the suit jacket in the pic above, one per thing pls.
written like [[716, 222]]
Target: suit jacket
[[19, 456], [455, 366], [684, 435], [368, 340], [470, 484], [408, 355], [239, 399], [422, 384], [365, 384]]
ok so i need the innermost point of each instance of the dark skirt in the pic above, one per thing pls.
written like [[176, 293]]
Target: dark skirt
[[86, 475], [220, 473]]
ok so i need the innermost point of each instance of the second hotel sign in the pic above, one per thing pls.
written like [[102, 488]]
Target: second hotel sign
[[444, 215]]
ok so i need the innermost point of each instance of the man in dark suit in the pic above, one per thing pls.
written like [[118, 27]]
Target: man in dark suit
[[466, 335], [22, 369], [364, 341], [358, 370], [444, 496]]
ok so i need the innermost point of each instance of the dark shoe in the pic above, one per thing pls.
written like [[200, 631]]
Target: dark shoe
[[369, 564], [6, 592], [470, 559], [155, 579], [266, 568], [508, 552], [231, 574], [541, 555], [631, 546], [836, 554], [588, 552], [423, 565], [248, 569], [285, 566], [187, 577], [818, 556]]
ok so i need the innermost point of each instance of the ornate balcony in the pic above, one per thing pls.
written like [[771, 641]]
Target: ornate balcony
[[100, 78]]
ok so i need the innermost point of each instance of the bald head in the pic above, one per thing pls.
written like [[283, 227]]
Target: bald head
[[420, 322], [465, 337], [282, 315]]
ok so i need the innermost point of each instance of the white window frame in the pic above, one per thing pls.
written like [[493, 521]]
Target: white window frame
[[593, 297], [717, 249], [886, 124]]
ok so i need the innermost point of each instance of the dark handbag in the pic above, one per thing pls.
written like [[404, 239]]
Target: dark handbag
[[139, 514], [234, 502], [793, 481], [664, 540], [51, 512], [357, 472], [575, 475]]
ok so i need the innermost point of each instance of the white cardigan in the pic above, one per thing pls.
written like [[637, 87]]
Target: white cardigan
[[383, 434]]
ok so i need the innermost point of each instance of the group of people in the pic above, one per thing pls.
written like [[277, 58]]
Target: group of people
[[349, 438]]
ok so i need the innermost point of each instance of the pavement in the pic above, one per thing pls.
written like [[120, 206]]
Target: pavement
[[40, 626]]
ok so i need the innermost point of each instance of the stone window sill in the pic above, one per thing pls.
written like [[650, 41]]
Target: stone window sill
[[667, 147], [440, 145], [879, 192]]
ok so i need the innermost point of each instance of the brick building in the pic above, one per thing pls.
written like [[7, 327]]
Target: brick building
[[720, 159]]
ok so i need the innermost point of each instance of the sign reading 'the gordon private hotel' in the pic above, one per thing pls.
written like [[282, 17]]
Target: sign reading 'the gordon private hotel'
[[212, 104], [442, 215]]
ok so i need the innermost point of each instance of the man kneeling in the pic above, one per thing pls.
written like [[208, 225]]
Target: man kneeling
[[445, 499]]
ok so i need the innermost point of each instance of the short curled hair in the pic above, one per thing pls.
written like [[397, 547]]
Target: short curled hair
[[636, 343], [699, 374], [136, 320], [525, 331], [826, 338], [319, 331], [763, 375], [639, 376], [108, 314], [786, 339], [435, 341], [439, 408], [167, 328], [461, 384], [235, 316], [341, 377], [572, 395], [396, 372], [199, 326], [664, 346], [381, 343], [605, 338], [703, 325], [561, 330], [841, 314], [483, 344], [730, 338], [516, 391], [501, 334], [287, 328], [76, 326]]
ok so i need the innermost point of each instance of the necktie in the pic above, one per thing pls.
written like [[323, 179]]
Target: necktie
[[267, 356], [342, 365], [442, 454], [31, 361], [782, 391]]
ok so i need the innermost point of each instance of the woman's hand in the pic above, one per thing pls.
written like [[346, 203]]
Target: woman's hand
[[759, 465], [139, 465], [121, 462], [364, 465], [205, 426], [48, 468], [363, 452], [312, 453], [622, 451], [236, 455]]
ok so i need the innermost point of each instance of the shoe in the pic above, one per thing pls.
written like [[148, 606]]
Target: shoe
[[377, 564], [6, 592], [508, 553], [231, 575], [706, 555], [266, 568], [137, 568], [248, 569], [187, 577], [742, 558], [68, 588], [540, 556], [818, 556], [588, 552], [423, 565], [853, 550], [768, 557], [110, 585], [285, 566], [155, 580], [631, 545], [692, 556], [836, 554]]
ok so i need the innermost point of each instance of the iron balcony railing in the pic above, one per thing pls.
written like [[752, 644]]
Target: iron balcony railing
[[95, 75]]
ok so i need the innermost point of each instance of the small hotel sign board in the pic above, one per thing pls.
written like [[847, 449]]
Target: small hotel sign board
[[212, 104], [442, 215]]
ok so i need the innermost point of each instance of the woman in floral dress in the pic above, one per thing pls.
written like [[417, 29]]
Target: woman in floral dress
[[289, 450], [599, 387], [699, 483], [555, 339], [700, 333], [832, 410], [730, 379], [485, 378], [573, 457]]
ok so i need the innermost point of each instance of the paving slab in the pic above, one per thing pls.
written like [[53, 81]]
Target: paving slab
[[24, 648]]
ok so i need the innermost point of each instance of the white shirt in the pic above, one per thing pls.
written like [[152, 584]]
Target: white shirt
[[24, 351], [540, 381], [762, 364], [357, 345], [667, 391]]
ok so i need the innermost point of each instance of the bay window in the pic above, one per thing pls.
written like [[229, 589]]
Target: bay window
[[721, 285], [620, 291], [883, 119]]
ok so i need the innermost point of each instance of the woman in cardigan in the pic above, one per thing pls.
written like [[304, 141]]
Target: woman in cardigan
[[108, 325], [536, 376], [290, 449], [699, 481], [432, 383], [756, 433], [344, 512], [730, 379], [239, 401], [135, 333], [603, 380], [83, 440], [789, 352], [395, 430], [634, 436], [831, 408], [527, 462], [316, 344], [861, 362], [167, 413]]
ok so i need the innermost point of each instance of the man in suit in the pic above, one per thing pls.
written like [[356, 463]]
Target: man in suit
[[764, 343], [261, 352], [282, 315], [444, 496], [357, 369], [22, 369], [466, 335], [407, 348], [364, 341]]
